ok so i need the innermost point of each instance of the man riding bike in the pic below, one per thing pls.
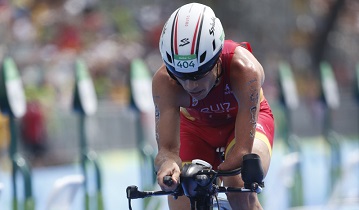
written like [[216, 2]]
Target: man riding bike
[[208, 95]]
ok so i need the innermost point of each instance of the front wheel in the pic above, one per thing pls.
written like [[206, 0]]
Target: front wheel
[[222, 204]]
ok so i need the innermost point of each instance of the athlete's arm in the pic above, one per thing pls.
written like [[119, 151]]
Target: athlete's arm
[[246, 81], [166, 99]]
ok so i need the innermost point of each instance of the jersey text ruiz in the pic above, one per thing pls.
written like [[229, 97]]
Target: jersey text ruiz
[[218, 108]]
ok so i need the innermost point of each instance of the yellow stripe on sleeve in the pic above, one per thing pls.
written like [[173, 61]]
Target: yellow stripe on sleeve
[[264, 138], [186, 114]]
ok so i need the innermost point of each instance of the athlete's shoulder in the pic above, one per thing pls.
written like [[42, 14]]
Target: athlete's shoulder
[[162, 79], [164, 86], [245, 63], [161, 73], [230, 45]]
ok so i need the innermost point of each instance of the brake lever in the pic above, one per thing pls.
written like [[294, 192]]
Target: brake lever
[[133, 192], [167, 180]]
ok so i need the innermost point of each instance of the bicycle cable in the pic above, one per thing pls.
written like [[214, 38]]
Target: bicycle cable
[[216, 197], [129, 204]]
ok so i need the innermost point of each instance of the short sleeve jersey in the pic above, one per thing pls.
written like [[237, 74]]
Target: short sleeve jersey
[[220, 106]]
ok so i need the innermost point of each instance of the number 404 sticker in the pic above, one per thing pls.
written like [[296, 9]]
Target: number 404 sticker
[[186, 63]]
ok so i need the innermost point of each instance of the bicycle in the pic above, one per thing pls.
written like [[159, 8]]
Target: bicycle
[[199, 182]]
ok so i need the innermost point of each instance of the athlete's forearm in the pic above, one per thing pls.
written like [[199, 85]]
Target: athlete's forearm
[[245, 132]]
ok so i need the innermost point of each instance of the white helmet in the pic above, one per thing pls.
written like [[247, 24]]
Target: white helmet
[[191, 41]]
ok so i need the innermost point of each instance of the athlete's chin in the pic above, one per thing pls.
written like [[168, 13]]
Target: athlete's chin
[[199, 96]]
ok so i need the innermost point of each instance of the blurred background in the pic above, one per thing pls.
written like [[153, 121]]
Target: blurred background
[[314, 44]]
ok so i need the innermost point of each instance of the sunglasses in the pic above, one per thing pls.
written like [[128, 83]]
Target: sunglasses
[[201, 73]]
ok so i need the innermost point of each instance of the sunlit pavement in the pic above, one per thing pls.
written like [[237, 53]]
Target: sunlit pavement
[[315, 163], [121, 168]]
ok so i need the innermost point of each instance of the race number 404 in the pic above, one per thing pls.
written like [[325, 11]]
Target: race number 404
[[185, 62]]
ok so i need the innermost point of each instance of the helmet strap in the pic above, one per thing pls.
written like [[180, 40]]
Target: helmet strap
[[219, 75], [172, 76]]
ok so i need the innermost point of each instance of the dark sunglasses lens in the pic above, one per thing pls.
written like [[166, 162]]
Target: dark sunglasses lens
[[189, 76]]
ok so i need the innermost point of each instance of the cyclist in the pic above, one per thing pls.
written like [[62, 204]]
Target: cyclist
[[208, 94]]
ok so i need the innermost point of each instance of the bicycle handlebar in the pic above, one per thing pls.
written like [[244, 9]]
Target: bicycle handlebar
[[229, 173], [198, 181], [193, 176], [133, 193]]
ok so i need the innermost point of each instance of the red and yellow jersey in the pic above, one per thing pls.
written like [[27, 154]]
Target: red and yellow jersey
[[220, 105], [209, 123]]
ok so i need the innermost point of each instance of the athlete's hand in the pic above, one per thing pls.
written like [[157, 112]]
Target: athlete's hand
[[169, 168], [229, 164], [232, 161]]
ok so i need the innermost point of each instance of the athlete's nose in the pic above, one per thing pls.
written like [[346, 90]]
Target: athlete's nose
[[190, 85]]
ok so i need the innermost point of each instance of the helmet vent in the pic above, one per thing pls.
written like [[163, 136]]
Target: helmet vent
[[169, 58], [214, 45], [203, 56]]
